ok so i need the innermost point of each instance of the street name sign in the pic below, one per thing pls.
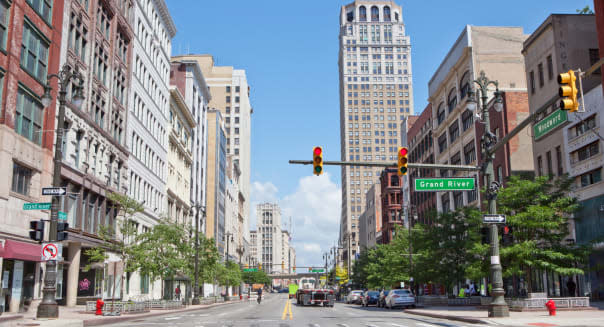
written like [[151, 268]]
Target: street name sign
[[250, 269], [62, 215], [493, 219], [55, 191], [36, 206], [550, 123], [317, 270], [444, 184]]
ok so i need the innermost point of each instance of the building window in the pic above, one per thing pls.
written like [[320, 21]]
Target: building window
[[464, 85], [103, 20], [375, 14], [453, 131], [452, 100], [77, 37], [440, 113], [588, 151], [43, 8], [469, 153], [592, 177], [4, 20], [442, 142], [34, 52], [539, 166], [467, 119], [445, 202], [228, 89], [559, 160], [548, 156], [362, 14], [585, 125], [144, 285], [458, 199], [21, 179], [532, 81], [594, 56], [540, 70], [472, 196], [101, 65], [386, 14], [122, 46], [28, 117], [228, 99], [550, 68]]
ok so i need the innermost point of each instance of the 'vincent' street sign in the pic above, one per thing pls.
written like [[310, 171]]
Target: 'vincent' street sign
[[444, 184], [550, 122]]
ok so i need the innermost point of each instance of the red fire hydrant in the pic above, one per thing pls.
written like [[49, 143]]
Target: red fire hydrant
[[99, 307], [551, 307]]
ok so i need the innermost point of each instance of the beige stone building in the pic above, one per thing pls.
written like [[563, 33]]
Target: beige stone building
[[216, 181], [230, 94], [180, 158], [376, 94], [455, 130]]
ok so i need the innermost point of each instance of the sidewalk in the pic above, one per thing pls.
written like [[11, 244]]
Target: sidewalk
[[76, 316], [474, 315]]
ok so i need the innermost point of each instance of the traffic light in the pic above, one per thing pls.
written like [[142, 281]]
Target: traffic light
[[317, 160], [62, 231], [247, 266], [37, 230], [402, 161], [282, 265], [506, 237], [484, 235], [294, 268], [568, 91], [259, 266]]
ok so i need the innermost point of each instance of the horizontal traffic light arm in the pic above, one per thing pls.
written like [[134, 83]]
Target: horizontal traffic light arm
[[388, 164]]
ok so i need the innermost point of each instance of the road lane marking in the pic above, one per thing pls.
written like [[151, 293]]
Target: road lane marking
[[289, 304], [397, 325], [342, 325], [172, 318], [425, 325], [284, 314]]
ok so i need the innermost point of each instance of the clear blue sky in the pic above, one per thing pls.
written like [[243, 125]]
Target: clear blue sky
[[290, 52]]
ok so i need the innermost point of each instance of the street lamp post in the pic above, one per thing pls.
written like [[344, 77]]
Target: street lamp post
[[198, 208], [498, 307], [48, 307]]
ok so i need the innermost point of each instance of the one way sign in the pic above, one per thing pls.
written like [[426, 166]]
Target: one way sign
[[56, 191]]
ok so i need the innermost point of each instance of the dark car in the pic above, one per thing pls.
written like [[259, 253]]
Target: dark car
[[382, 299], [370, 298], [284, 290]]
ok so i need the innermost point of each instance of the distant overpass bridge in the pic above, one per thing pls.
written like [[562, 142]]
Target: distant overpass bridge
[[295, 276]]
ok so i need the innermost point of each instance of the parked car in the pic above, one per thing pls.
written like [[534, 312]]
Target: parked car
[[354, 297], [283, 290], [382, 298], [370, 298], [400, 298]]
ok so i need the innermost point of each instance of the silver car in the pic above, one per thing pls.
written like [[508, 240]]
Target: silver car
[[354, 297], [400, 298]]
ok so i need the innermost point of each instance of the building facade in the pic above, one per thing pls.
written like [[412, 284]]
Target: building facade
[[392, 203], [560, 43], [147, 133], [370, 223], [217, 183], [496, 51], [420, 142], [269, 237], [187, 78], [376, 94], [30, 43]]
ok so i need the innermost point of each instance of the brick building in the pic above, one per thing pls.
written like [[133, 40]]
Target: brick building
[[30, 43], [391, 186]]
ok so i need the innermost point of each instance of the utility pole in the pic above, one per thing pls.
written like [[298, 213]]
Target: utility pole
[[48, 307]]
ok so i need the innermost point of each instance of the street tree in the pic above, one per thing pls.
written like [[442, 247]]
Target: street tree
[[119, 237], [229, 274], [255, 277], [537, 212]]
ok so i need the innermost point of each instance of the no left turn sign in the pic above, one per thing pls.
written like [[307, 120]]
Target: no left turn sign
[[50, 251]]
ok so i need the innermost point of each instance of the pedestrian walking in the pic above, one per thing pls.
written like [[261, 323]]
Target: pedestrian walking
[[177, 293]]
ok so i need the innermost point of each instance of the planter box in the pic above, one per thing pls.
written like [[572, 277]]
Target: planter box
[[529, 304]]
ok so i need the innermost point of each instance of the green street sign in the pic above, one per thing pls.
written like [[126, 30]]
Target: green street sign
[[549, 123], [318, 270], [250, 269], [444, 184], [62, 215], [338, 278], [36, 206]]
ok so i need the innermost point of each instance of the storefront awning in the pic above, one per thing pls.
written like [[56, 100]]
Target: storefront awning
[[20, 251]]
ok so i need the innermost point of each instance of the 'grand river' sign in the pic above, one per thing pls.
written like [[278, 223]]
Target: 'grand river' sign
[[444, 184]]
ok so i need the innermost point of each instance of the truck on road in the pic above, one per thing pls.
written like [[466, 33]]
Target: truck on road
[[309, 294]]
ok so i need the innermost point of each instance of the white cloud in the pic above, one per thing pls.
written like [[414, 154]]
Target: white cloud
[[314, 207]]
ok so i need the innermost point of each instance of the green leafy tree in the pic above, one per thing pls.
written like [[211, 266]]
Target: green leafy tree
[[585, 11], [537, 211], [255, 277], [119, 238], [166, 248], [229, 274]]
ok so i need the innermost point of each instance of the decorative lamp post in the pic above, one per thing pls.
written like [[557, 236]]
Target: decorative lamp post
[[48, 307], [497, 307]]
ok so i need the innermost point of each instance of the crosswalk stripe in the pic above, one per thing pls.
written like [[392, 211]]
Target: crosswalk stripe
[[172, 318], [425, 325], [397, 325]]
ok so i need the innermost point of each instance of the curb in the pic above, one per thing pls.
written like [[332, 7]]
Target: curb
[[113, 320], [9, 318], [448, 317]]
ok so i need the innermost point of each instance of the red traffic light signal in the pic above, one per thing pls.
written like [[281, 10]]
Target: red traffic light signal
[[317, 160], [402, 161]]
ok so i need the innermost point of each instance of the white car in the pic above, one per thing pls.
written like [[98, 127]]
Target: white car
[[400, 298], [354, 297]]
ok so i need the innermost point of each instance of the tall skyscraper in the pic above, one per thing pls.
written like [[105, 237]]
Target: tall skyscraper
[[376, 94]]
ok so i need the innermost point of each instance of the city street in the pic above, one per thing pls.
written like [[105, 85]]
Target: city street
[[274, 311]]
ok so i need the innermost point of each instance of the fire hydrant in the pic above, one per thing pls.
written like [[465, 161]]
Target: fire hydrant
[[551, 307], [99, 307]]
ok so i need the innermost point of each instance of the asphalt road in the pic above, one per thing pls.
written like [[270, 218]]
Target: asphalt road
[[275, 311]]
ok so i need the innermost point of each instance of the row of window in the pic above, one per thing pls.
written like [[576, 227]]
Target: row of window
[[467, 121], [147, 156], [378, 102], [148, 119], [375, 14], [154, 53], [142, 191], [154, 91], [376, 94], [404, 79], [453, 98], [378, 87]]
